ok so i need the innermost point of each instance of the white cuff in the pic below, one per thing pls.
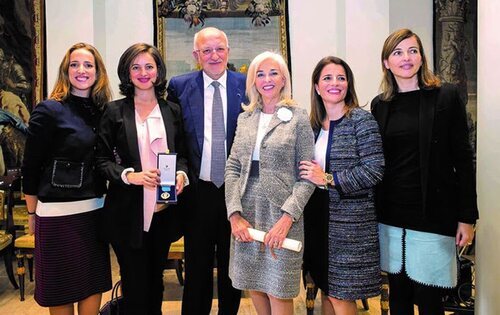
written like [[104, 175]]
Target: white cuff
[[186, 178], [124, 174]]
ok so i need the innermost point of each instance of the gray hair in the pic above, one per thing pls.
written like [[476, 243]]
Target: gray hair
[[205, 30]]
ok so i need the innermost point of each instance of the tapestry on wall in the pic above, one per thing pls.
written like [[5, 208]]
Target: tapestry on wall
[[21, 75]]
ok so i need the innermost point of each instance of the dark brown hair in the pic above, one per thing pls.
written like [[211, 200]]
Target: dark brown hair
[[126, 59], [318, 111]]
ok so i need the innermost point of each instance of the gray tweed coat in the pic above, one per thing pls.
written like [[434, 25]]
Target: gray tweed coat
[[285, 144], [262, 200]]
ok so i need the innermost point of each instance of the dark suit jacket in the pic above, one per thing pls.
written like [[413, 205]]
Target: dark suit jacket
[[187, 90], [118, 149], [446, 162]]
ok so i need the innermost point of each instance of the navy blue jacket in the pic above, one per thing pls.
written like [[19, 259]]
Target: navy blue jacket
[[59, 162]]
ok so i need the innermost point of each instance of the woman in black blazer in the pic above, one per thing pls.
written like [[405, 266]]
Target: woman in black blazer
[[132, 132], [426, 203]]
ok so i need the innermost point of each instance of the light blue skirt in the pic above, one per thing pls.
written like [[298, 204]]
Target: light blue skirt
[[429, 259]]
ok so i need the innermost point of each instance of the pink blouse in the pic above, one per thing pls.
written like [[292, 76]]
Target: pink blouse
[[152, 138]]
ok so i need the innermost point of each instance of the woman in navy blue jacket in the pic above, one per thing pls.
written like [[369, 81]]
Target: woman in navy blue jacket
[[341, 238], [64, 192]]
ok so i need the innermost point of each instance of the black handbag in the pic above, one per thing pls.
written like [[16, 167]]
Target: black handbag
[[115, 305]]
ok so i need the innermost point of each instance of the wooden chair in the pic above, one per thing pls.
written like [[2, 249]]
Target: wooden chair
[[384, 295], [7, 231], [175, 259], [6, 252], [25, 247]]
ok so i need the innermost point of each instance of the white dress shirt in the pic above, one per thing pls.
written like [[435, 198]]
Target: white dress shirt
[[264, 121], [320, 148]]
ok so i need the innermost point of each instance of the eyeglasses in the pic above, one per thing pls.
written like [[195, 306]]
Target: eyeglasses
[[208, 51]]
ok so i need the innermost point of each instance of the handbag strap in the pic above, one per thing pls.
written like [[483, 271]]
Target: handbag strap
[[114, 292]]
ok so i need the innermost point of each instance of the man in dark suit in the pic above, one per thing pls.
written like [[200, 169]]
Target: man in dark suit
[[210, 112]]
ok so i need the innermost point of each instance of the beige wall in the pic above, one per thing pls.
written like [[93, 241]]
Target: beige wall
[[111, 25], [488, 164]]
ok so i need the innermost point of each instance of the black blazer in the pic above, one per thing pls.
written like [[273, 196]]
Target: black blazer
[[118, 149], [447, 172]]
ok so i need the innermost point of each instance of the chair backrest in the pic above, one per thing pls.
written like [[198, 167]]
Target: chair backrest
[[3, 215]]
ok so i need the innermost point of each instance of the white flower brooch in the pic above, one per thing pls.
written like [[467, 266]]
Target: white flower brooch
[[284, 114]]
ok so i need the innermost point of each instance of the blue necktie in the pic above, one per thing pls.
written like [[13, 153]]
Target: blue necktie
[[218, 162]]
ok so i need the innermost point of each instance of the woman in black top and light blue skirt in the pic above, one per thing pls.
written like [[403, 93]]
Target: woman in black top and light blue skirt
[[64, 192], [426, 203]]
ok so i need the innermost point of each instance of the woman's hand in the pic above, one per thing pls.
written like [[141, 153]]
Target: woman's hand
[[277, 234], [31, 204], [149, 179], [313, 172], [239, 228], [179, 186], [31, 224], [465, 234]]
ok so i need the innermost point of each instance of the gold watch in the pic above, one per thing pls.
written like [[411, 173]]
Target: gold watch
[[328, 180]]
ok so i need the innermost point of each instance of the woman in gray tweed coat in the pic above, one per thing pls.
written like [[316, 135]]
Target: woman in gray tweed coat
[[341, 249], [264, 190]]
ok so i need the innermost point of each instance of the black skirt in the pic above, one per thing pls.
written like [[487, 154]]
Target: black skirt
[[71, 264], [316, 217]]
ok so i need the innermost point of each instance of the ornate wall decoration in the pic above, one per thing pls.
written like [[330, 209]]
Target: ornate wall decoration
[[252, 26], [455, 47]]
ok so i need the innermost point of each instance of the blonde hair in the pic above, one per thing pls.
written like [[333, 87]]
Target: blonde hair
[[100, 91], [389, 86], [254, 97]]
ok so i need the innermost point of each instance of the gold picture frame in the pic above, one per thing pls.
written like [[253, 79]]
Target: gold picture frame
[[39, 50], [251, 26]]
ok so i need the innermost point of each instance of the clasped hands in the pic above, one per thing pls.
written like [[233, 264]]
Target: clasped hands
[[274, 237]]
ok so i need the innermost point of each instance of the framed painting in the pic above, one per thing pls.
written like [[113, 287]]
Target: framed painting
[[252, 26], [21, 74]]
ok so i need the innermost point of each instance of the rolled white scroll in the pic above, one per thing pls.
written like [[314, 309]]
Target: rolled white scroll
[[289, 244]]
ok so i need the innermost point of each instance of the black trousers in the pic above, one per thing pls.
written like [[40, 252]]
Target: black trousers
[[404, 293], [207, 236], [141, 269]]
